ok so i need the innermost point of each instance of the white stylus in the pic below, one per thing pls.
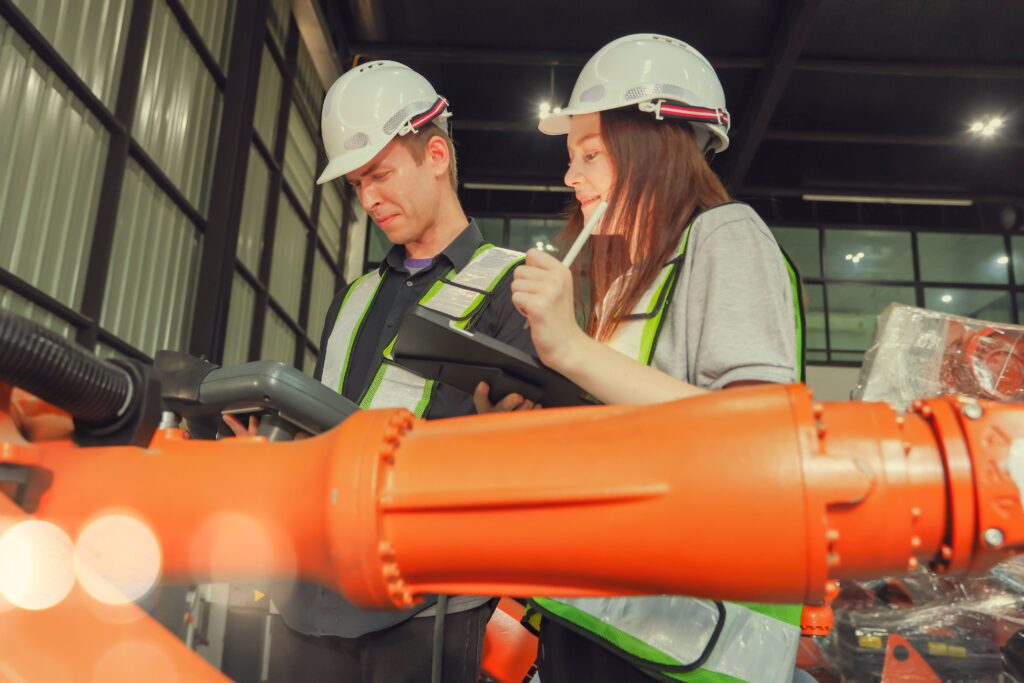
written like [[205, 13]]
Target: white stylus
[[584, 235]]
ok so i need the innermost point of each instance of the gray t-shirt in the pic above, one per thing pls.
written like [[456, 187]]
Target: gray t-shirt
[[731, 317]]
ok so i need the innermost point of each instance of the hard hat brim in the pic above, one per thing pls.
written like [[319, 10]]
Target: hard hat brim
[[348, 162], [558, 124]]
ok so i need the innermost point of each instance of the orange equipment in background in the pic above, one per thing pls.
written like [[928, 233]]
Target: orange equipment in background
[[675, 498], [510, 649], [609, 500]]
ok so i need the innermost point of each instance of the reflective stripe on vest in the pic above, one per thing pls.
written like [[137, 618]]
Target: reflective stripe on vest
[[457, 295], [675, 636], [635, 336]]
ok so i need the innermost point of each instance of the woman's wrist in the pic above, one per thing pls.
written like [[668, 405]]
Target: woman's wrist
[[569, 356]]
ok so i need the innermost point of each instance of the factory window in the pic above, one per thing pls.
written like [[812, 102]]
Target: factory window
[[868, 255], [123, 170], [978, 259]]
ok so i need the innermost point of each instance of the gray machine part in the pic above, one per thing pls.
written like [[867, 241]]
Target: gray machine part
[[294, 400]]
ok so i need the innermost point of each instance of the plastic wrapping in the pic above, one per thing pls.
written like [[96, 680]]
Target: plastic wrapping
[[750, 647], [917, 353], [925, 628]]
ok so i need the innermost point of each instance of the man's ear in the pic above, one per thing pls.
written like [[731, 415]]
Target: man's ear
[[438, 156]]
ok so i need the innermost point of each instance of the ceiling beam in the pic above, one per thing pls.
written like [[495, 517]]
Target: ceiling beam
[[914, 69], [775, 135], [369, 19], [965, 140], [366, 51], [523, 126], [883, 191], [316, 35], [456, 55], [790, 38]]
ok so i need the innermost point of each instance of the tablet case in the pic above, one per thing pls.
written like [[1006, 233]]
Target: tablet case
[[432, 348]]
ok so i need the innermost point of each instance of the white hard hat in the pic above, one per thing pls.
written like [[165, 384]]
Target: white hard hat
[[662, 75], [368, 106]]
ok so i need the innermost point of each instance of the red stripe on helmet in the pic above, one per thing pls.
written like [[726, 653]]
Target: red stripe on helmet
[[698, 113], [430, 114]]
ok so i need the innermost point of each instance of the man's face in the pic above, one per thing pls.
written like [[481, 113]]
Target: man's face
[[400, 195]]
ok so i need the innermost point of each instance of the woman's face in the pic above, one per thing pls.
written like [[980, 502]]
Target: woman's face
[[590, 173]]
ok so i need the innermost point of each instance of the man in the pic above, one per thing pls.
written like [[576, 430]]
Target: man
[[385, 131]]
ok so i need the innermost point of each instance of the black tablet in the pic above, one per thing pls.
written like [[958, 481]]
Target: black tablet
[[432, 348]]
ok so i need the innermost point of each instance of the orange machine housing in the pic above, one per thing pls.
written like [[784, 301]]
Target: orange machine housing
[[753, 494]]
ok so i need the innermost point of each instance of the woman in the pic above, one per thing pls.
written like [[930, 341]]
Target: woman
[[690, 294]]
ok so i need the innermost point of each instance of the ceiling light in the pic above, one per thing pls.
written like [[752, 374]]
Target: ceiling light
[[849, 257], [558, 110], [987, 129], [864, 199], [946, 298], [1003, 260]]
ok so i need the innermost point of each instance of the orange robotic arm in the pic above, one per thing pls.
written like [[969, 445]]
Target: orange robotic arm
[[752, 494]]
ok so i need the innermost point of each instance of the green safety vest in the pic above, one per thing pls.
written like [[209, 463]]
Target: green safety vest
[[671, 637], [458, 295]]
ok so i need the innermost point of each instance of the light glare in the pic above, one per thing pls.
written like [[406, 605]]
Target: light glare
[[117, 559], [36, 565], [987, 129]]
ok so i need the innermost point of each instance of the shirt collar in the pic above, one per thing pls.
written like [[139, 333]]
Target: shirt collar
[[459, 253]]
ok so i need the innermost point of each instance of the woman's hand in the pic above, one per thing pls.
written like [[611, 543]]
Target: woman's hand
[[482, 401], [542, 292]]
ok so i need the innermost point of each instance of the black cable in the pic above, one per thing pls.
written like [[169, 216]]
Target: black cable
[[438, 653], [59, 372]]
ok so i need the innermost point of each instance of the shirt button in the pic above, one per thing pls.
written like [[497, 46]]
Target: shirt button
[[408, 283]]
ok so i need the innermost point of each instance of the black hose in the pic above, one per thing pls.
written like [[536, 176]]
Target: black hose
[[59, 372], [438, 650]]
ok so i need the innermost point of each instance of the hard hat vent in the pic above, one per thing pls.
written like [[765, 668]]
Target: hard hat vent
[[403, 115], [357, 141], [652, 89]]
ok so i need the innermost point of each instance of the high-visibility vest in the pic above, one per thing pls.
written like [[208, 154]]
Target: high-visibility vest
[[458, 295], [676, 638]]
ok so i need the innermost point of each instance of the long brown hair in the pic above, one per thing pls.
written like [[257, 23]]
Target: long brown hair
[[662, 181]]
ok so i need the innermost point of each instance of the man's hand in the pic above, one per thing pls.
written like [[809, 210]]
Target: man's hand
[[510, 403], [254, 425], [238, 428]]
